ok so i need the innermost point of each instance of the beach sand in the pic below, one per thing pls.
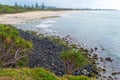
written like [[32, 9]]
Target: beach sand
[[18, 18]]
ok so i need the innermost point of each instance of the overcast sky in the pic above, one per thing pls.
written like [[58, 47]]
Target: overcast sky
[[112, 4]]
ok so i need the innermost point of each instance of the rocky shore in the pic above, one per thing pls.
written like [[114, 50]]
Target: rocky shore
[[46, 54]]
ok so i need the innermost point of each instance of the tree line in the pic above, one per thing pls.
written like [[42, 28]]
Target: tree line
[[16, 8], [33, 6]]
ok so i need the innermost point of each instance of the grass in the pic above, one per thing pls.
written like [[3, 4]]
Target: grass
[[71, 77], [13, 9], [35, 74], [13, 48], [28, 74], [9, 35]]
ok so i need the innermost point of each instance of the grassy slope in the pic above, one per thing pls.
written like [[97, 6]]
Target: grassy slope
[[34, 74], [30, 74], [13, 9]]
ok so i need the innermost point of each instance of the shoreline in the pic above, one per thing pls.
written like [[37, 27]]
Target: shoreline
[[17, 18], [47, 50], [27, 16]]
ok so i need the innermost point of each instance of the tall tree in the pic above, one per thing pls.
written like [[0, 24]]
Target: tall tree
[[16, 5], [20, 6], [32, 6], [43, 6], [36, 5], [25, 6]]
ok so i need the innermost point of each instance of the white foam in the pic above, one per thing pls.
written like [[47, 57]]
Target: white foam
[[67, 16], [49, 22], [43, 25], [46, 24], [48, 30]]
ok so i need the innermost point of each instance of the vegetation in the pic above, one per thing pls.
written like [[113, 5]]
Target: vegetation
[[12, 9], [17, 8], [35, 74], [13, 48], [27, 74], [13, 52], [73, 60], [23, 8], [70, 77], [74, 56]]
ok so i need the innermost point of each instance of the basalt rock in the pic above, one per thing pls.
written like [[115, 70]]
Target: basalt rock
[[108, 59], [46, 54]]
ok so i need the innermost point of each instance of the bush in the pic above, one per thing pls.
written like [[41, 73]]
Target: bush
[[73, 60], [13, 48]]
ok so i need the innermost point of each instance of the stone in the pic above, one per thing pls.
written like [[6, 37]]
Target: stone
[[46, 54], [108, 59]]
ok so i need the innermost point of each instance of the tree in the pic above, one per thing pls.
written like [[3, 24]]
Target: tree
[[20, 6], [25, 6], [73, 60], [32, 6], [43, 6], [16, 5], [36, 6]]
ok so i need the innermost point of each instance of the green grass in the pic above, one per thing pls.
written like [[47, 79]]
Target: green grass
[[70, 77], [28, 74], [35, 74], [13, 9]]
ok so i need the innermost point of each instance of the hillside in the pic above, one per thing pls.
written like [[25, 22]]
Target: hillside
[[27, 57], [14, 9]]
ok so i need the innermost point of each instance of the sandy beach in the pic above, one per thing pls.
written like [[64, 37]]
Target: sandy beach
[[18, 18]]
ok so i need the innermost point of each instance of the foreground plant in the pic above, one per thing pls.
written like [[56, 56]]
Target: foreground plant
[[73, 60], [13, 48], [35, 74]]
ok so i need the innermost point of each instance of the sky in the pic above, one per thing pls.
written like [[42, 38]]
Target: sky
[[106, 4]]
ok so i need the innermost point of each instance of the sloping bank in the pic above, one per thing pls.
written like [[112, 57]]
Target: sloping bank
[[45, 54]]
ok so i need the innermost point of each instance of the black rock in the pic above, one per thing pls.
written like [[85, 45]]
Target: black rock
[[47, 54]]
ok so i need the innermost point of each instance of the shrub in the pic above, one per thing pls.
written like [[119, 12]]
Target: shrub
[[73, 60], [13, 48]]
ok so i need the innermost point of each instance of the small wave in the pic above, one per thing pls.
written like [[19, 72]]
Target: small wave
[[43, 25], [46, 24], [48, 30], [68, 16], [49, 22]]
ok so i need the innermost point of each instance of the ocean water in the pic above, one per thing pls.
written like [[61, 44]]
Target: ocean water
[[92, 28], [95, 29]]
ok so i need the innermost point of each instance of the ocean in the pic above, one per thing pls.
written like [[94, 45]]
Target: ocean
[[91, 28]]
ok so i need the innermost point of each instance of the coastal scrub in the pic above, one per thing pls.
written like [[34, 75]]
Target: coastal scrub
[[13, 48], [73, 60]]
